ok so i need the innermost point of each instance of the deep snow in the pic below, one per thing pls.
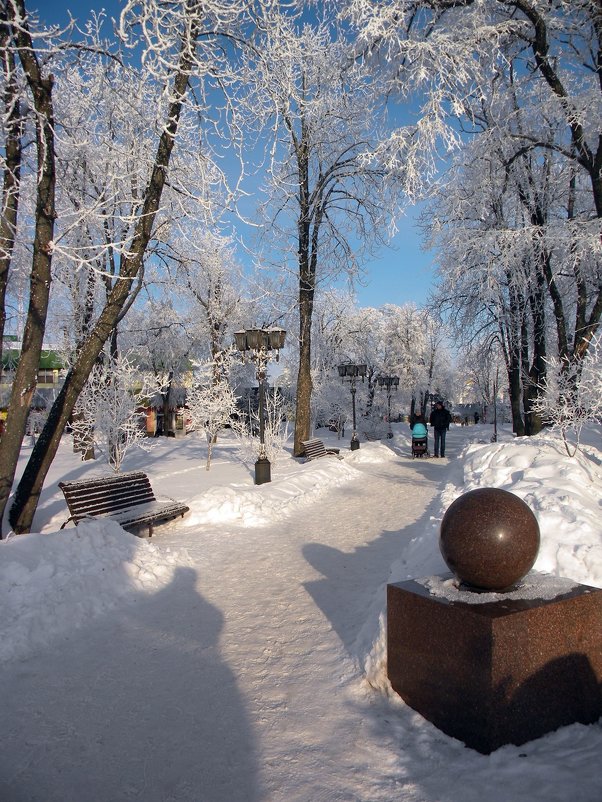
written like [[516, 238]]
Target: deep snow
[[239, 654]]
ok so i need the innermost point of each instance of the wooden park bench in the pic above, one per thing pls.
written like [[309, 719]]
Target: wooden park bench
[[126, 498], [315, 448]]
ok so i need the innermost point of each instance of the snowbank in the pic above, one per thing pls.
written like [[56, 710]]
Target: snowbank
[[243, 504], [52, 584]]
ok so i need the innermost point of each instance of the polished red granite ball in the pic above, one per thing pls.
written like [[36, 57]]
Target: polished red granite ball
[[489, 539]]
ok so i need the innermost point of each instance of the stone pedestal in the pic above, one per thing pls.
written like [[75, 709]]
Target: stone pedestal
[[500, 672]]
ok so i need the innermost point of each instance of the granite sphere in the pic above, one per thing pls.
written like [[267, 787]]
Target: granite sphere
[[489, 539]]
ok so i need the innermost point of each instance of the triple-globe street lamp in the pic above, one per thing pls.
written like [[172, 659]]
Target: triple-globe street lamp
[[389, 383], [350, 373], [261, 346]]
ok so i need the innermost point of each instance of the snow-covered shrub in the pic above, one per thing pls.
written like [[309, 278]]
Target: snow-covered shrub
[[278, 413], [211, 407], [572, 395], [107, 413]]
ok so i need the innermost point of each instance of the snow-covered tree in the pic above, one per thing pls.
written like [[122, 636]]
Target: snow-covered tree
[[211, 403], [278, 412], [475, 373], [212, 281], [36, 87], [518, 247], [165, 339], [391, 341], [447, 51], [415, 351], [332, 312], [109, 410], [329, 198], [523, 76], [181, 46]]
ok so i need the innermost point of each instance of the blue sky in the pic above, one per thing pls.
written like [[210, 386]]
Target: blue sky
[[400, 274]]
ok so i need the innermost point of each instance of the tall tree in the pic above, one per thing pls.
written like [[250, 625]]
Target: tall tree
[[180, 43], [452, 50], [329, 199], [17, 37], [514, 229], [13, 126]]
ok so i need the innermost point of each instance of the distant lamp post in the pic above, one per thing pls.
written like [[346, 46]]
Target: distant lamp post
[[389, 383], [495, 389], [350, 373], [261, 346]]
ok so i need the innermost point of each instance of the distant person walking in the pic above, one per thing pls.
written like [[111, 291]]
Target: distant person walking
[[440, 420]]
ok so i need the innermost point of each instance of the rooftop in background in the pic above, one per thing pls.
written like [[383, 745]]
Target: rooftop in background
[[50, 358]]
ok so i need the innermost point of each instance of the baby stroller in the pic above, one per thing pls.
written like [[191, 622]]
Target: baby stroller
[[419, 441]]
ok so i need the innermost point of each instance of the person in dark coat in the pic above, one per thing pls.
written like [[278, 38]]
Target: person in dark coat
[[440, 420]]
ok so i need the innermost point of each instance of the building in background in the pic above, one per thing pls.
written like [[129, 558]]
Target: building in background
[[51, 374]]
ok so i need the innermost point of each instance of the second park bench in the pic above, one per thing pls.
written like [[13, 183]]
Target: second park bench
[[315, 448]]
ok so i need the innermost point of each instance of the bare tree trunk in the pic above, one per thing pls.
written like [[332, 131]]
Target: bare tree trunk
[[30, 486], [24, 383], [166, 393], [537, 369], [210, 441], [11, 187], [307, 288], [512, 337], [84, 443], [514, 391], [304, 381]]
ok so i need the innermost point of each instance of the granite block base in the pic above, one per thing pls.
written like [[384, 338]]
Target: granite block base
[[500, 672]]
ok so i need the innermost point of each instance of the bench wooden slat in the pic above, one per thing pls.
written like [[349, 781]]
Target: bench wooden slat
[[315, 448], [127, 498], [121, 489], [142, 513], [105, 500]]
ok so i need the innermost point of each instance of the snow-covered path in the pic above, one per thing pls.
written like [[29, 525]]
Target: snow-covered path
[[238, 681], [312, 580]]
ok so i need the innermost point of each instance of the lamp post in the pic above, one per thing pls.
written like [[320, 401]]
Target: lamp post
[[259, 345], [495, 386], [350, 373], [390, 383]]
